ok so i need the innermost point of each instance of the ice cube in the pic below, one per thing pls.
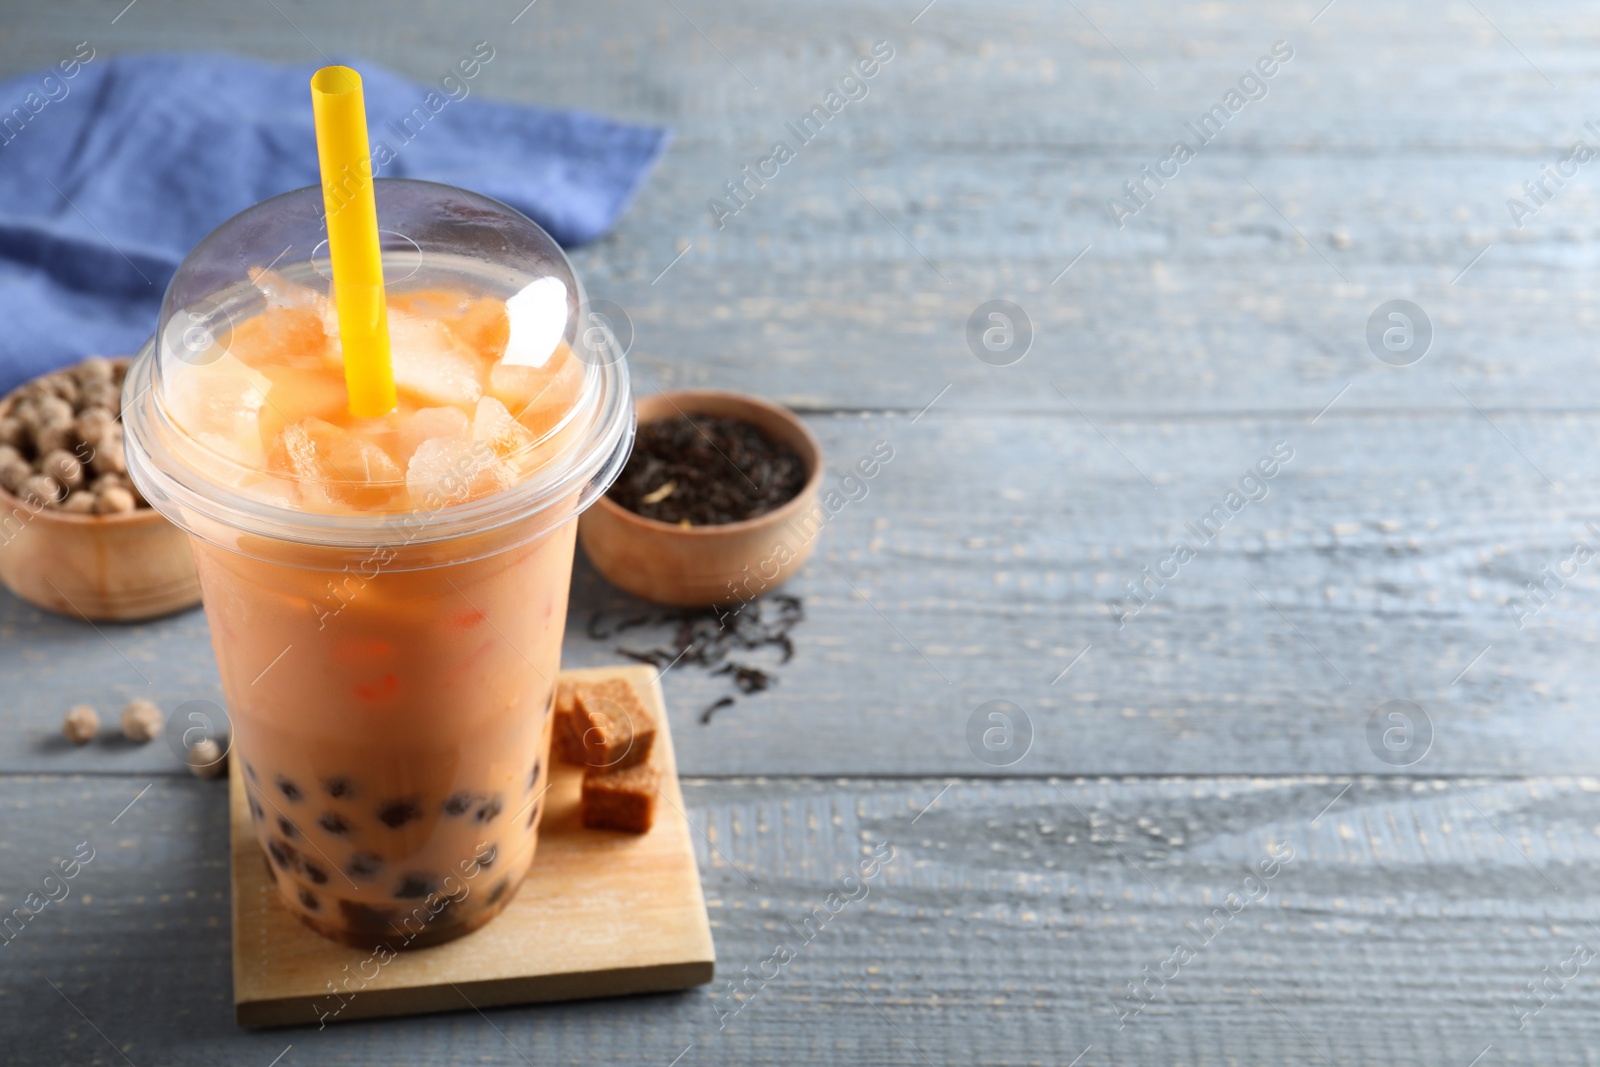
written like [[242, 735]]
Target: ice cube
[[282, 293], [291, 332], [539, 397], [485, 327], [279, 337], [229, 460], [223, 397], [334, 465], [450, 470], [430, 363], [298, 393], [426, 423], [294, 455], [443, 303], [246, 453], [353, 457], [271, 490], [493, 425]]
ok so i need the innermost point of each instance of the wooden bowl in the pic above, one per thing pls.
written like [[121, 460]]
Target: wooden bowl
[[702, 566], [114, 567]]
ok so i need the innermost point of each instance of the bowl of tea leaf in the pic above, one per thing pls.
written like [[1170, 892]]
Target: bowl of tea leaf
[[716, 505]]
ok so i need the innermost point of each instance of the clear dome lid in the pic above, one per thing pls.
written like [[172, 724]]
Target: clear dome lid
[[513, 399]]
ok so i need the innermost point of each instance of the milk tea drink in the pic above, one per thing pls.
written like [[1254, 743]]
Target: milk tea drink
[[386, 596]]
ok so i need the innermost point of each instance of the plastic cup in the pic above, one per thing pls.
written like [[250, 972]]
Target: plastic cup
[[389, 673]]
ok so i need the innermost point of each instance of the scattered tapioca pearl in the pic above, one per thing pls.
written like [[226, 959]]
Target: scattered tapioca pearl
[[415, 887], [339, 787], [486, 857], [251, 771], [334, 823], [290, 791], [315, 873], [287, 828], [533, 776], [458, 803], [499, 890], [255, 810], [533, 814], [364, 865], [283, 853], [309, 899], [490, 811], [396, 813]]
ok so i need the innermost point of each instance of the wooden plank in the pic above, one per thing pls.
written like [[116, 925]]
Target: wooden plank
[[976, 76], [601, 914], [1208, 300], [982, 560], [1004, 930]]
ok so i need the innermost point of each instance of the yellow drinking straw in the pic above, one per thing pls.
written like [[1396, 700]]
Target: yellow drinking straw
[[341, 119]]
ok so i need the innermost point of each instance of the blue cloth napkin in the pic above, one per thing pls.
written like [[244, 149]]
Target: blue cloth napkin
[[113, 167]]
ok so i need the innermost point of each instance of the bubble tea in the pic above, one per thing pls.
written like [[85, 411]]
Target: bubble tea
[[387, 595]]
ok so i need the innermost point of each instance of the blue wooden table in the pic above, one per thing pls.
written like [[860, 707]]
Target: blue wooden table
[[1206, 838]]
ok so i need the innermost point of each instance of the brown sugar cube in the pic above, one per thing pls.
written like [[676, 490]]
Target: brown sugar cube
[[608, 728], [563, 704], [561, 739], [622, 800]]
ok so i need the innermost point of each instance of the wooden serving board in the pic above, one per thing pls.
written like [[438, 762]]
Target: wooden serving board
[[600, 914]]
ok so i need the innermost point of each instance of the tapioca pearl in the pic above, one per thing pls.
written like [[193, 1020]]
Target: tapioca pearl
[[287, 828], [533, 814], [499, 890], [256, 812], [290, 791], [251, 771], [364, 865], [416, 887], [533, 775], [309, 899], [489, 811], [315, 873], [339, 787], [365, 916], [396, 813], [334, 823], [459, 803], [486, 856], [283, 854]]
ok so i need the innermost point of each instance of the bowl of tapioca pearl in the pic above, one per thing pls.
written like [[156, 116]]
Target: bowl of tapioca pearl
[[75, 535]]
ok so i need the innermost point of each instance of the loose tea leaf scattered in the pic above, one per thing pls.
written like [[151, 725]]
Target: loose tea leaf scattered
[[706, 636], [707, 471]]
